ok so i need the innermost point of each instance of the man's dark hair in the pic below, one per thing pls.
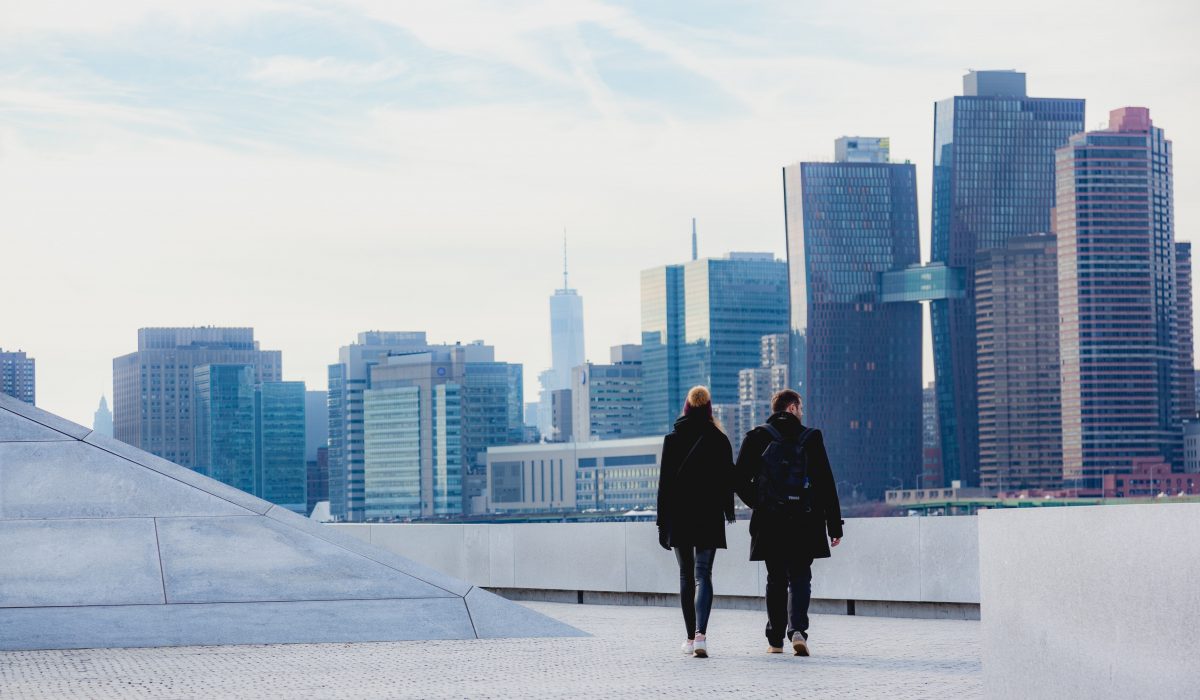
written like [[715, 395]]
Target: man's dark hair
[[782, 399]]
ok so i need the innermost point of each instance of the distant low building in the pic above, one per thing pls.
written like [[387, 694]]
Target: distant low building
[[574, 476]]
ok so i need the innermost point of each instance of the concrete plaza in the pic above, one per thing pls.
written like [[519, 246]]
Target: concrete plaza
[[632, 653]]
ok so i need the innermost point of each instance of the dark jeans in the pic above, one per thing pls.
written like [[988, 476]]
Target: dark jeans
[[695, 587], [789, 588]]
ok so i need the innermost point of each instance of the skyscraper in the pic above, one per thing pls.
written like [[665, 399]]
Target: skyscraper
[[1020, 403], [224, 431], [993, 178], [250, 435], [702, 323], [348, 379], [280, 470], [848, 222], [662, 338], [102, 421], [1119, 298], [566, 348], [17, 376], [152, 388], [429, 417]]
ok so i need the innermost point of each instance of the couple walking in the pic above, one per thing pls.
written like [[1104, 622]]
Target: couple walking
[[783, 474]]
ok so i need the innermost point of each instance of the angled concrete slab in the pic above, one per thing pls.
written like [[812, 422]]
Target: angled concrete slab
[[496, 618], [14, 428], [356, 545], [37, 415], [74, 480], [224, 560], [104, 545], [303, 622], [181, 474], [79, 562]]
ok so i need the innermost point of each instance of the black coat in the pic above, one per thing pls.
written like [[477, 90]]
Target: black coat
[[695, 498], [777, 535]]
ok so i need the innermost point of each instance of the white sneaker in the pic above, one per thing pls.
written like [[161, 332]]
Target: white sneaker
[[700, 646], [687, 647], [799, 644]]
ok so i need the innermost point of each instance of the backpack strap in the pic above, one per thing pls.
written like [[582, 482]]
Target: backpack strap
[[774, 432]]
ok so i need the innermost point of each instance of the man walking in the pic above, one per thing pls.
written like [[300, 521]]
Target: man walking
[[783, 473]]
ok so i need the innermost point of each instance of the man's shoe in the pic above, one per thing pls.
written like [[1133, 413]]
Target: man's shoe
[[799, 644], [772, 649], [700, 647], [687, 647]]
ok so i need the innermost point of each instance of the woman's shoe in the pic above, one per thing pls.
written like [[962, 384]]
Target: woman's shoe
[[687, 647], [700, 646]]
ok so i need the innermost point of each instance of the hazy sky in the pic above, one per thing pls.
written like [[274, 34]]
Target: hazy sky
[[315, 169]]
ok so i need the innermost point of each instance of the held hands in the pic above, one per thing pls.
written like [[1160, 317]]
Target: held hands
[[663, 539], [835, 541]]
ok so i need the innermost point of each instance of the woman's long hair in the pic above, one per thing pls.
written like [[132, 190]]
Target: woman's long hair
[[700, 401]]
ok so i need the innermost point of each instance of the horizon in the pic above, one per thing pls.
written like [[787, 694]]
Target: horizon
[[314, 170]]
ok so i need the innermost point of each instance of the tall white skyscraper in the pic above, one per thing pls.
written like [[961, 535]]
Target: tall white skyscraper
[[566, 347]]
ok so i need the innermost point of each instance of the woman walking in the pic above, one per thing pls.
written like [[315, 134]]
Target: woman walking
[[695, 500]]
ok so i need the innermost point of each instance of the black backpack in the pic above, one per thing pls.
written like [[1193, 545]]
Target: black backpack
[[783, 483]]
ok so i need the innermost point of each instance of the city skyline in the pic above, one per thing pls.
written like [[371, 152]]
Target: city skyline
[[157, 128]]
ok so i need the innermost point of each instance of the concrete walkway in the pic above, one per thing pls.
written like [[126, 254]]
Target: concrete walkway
[[633, 654]]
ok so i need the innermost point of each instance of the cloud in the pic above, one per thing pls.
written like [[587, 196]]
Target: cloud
[[293, 70]]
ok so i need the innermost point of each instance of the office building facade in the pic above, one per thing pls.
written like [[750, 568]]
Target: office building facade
[[606, 400], [152, 388], [1121, 336], [662, 339], [18, 376], [1020, 403], [993, 179], [250, 435], [609, 475], [429, 418], [848, 223], [702, 323], [348, 378]]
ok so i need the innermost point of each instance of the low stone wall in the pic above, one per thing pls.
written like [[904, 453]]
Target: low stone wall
[[918, 567], [1091, 602]]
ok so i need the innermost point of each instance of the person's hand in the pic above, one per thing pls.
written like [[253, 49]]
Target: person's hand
[[835, 541], [663, 539]]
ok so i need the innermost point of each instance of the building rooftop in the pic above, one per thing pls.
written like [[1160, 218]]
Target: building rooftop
[[650, 442], [633, 653]]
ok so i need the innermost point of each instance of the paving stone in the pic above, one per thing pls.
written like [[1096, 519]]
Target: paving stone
[[633, 653]]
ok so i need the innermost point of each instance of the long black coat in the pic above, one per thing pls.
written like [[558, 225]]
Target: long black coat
[[775, 535], [695, 499]]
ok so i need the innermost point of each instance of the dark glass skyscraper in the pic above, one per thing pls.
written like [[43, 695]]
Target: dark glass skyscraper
[[993, 178], [847, 223]]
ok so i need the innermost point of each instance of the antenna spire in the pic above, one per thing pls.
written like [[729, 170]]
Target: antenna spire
[[694, 251], [565, 286]]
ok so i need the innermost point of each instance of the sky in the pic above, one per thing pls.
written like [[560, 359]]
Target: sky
[[317, 169]]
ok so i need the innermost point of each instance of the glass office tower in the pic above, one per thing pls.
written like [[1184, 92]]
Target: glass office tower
[[224, 424], [993, 179], [662, 336], [1121, 336], [848, 222], [702, 323], [281, 473]]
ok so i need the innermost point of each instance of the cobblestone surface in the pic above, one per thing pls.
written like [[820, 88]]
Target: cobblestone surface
[[634, 653]]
